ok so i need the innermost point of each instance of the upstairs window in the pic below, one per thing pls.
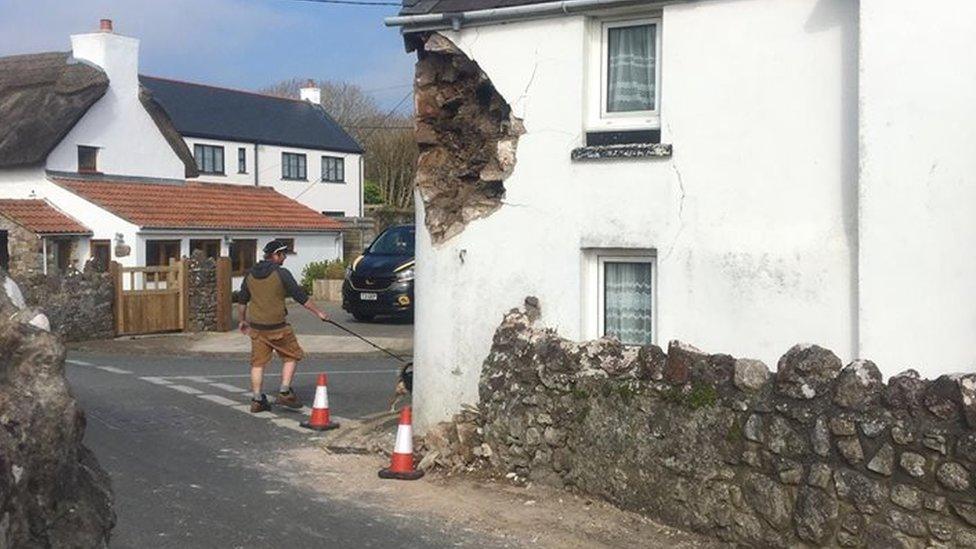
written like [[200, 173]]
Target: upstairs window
[[87, 159], [241, 160], [293, 166], [625, 75], [210, 159], [333, 169]]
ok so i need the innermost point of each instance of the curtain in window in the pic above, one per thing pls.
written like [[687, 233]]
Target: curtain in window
[[630, 76], [627, 302]]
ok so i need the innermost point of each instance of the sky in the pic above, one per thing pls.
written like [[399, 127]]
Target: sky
[[243, 44]]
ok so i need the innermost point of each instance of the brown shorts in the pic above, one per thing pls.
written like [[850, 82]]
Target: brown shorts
[[281, 341]]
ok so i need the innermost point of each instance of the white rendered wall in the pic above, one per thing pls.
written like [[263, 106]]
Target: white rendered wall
[[309, 247], [918, 184], [316, 194], [128, 141], [752, 219], [33, 183]]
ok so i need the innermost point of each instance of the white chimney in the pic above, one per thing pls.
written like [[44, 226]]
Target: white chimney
[[311, 93], [117, 55]]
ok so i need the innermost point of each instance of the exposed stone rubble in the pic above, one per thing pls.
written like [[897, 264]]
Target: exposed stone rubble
[[53, 493], [467, 137], [201, 274], [815, 454]]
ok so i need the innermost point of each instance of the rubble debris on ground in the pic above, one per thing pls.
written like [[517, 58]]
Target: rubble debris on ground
[[816, 453], [53, 493]]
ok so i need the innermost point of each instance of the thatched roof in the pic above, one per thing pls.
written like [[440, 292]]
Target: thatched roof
[[42, 96]]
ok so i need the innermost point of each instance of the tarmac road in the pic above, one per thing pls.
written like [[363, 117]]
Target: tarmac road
[[185, 456]]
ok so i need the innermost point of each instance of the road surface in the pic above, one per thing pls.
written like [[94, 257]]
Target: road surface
[[185, 455]]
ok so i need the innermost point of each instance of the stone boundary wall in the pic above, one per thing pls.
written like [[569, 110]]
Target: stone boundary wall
[[79, 305], [201, 278], [814, 454]]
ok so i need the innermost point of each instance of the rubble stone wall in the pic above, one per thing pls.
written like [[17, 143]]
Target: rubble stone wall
[[80, 305], [201, 274], [53, 493], [467, 138], [815, 453], [26, 253]]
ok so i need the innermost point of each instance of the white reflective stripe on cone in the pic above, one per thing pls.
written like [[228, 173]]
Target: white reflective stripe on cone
[[404, 440], [321, 397]]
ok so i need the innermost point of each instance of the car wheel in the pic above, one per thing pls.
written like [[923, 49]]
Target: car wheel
[[362, 318]]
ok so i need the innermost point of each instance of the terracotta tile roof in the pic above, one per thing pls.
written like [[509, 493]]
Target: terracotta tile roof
[[193, 205], [40, 217]]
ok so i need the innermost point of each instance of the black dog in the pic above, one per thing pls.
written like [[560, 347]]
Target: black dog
[[404, 385]]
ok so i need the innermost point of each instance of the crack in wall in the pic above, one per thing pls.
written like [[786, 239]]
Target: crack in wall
[[467, 136], [681, 202]]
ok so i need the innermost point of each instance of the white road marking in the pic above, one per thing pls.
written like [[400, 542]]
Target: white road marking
[[185, 389], [113, 370], [197, 379], [229, 388], [246, 408], [78, 362], [335, 372], [156, 380], [219, 400]]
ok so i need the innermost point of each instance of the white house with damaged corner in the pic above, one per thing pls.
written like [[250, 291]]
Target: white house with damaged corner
[[96, 161], [741, 175]]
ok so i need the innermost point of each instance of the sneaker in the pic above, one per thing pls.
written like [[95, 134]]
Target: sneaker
[[289, 399], [262, 405]]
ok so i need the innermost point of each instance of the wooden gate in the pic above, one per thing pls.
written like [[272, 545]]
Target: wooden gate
[[150, 299]]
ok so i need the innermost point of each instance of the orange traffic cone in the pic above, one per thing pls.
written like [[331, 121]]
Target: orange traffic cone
[[401, 465], [320, 420]]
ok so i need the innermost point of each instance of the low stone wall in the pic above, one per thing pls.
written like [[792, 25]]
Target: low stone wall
[[201, 273], [80, 305], [816, 453]]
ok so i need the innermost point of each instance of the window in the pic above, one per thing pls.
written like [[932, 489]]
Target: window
[[293, 166], [626, 299], [241, 160], [209, 246], [242, 255], [160, 252], [210, 159], [334, 213], [101, 252], [625, 94], [290, 242], [87, 159], [333, 169]]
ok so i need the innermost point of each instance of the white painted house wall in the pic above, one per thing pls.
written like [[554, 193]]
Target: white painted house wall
[[752, 220], [918, 184], [128, 141], [319, 195]]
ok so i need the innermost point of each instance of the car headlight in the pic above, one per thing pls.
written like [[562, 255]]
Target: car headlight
[[348, 272], [405, 275]]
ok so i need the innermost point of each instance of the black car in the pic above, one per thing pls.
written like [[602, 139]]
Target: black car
[[380, 282]]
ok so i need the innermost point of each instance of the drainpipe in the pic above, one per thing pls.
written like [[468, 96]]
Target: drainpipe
[[44, 252], [454, 21]]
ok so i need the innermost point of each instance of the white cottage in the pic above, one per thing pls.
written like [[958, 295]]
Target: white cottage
[[742, 175], [91, 152]]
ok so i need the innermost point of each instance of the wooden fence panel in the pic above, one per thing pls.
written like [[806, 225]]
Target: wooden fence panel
[[156, 299]]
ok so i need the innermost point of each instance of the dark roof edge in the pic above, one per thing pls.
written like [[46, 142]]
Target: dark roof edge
[[239, 229], [79, 176], [421, 22], [201, 135]]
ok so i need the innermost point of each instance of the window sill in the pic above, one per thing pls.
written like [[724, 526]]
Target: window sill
[[630, 150], [221, 174], [294, 179], [333, 182]]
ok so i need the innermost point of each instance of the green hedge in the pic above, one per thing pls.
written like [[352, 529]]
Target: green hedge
[[318, 270]]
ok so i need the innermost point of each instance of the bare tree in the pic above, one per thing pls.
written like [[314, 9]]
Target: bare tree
[[391, 152]]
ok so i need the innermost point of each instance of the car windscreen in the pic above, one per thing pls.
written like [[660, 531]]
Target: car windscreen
[[394, 241]]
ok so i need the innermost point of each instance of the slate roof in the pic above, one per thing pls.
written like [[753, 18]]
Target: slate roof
[[204, 111], [39, 216], [416, 7], [194, 205], [42, 96]]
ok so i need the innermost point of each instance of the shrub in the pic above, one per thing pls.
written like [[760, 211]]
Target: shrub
[[318, 270], [372, 193]]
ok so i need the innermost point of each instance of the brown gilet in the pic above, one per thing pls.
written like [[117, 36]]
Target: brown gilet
[[267, 304]]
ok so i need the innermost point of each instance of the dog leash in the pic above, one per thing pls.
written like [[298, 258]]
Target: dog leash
[[348, 331]]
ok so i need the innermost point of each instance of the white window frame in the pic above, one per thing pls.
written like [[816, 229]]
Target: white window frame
[[594, 290], [598, 118]]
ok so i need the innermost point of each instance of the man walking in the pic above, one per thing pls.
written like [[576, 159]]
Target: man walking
[[262, 311]]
